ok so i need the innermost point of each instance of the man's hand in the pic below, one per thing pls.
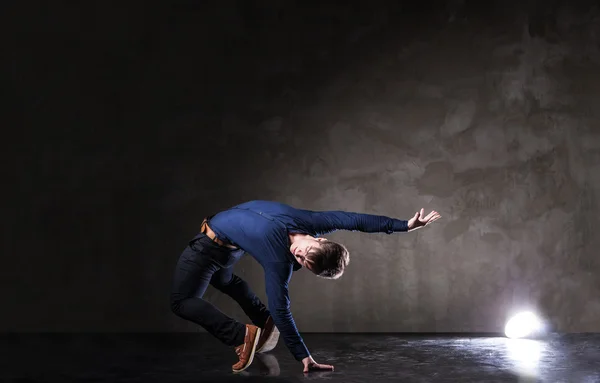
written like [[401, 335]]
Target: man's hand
[[311, 365], [419, 221]]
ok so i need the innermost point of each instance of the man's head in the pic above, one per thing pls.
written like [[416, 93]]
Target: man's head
[[325, 258]]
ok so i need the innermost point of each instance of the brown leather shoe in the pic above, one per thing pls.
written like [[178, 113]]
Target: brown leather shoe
[[269, 337], [245, 351]]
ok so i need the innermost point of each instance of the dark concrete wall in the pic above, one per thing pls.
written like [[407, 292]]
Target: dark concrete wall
[[129, 124]]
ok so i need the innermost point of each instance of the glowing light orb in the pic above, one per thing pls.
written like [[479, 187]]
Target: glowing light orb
[[523, 325]]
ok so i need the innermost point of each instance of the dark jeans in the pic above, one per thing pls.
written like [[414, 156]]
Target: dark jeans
[[204, 262]]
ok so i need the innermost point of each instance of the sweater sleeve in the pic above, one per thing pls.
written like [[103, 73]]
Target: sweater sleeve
[[277, 276], [327, 221]]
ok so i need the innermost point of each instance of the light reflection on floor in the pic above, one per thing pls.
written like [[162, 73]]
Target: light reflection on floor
[[356, 357]]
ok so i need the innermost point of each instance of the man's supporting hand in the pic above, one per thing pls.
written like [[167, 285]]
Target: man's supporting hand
[[419, 220], [311, 365]]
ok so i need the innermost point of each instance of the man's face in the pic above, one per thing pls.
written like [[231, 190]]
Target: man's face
[[304, 246]]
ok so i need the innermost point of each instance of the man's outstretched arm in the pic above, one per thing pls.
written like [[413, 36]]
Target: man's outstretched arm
[[277, 276], [327, 221]]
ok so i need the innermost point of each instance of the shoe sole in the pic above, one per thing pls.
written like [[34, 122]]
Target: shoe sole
[[271, 342], [254, 344]]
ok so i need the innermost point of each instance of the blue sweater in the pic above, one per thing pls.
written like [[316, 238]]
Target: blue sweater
[[261, 229]]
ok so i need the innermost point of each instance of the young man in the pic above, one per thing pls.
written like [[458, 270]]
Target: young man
[[282, 239]]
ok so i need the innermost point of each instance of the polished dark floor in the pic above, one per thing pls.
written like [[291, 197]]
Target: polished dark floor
[[357, 358]]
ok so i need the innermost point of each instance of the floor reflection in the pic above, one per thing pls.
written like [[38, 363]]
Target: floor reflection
[[356, 357], [267, 366], [525, 354]]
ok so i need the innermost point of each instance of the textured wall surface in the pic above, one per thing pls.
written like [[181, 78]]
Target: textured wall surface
[[132, 124]]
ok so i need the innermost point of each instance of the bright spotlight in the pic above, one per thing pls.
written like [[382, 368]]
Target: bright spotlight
[[523, 325]]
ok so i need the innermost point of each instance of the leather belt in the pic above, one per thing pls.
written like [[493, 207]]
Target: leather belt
[[205, 229]]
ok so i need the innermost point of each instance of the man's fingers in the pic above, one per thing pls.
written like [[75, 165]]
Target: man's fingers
[[318, 367], [431, 217], [435, 218], [421, 220]]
